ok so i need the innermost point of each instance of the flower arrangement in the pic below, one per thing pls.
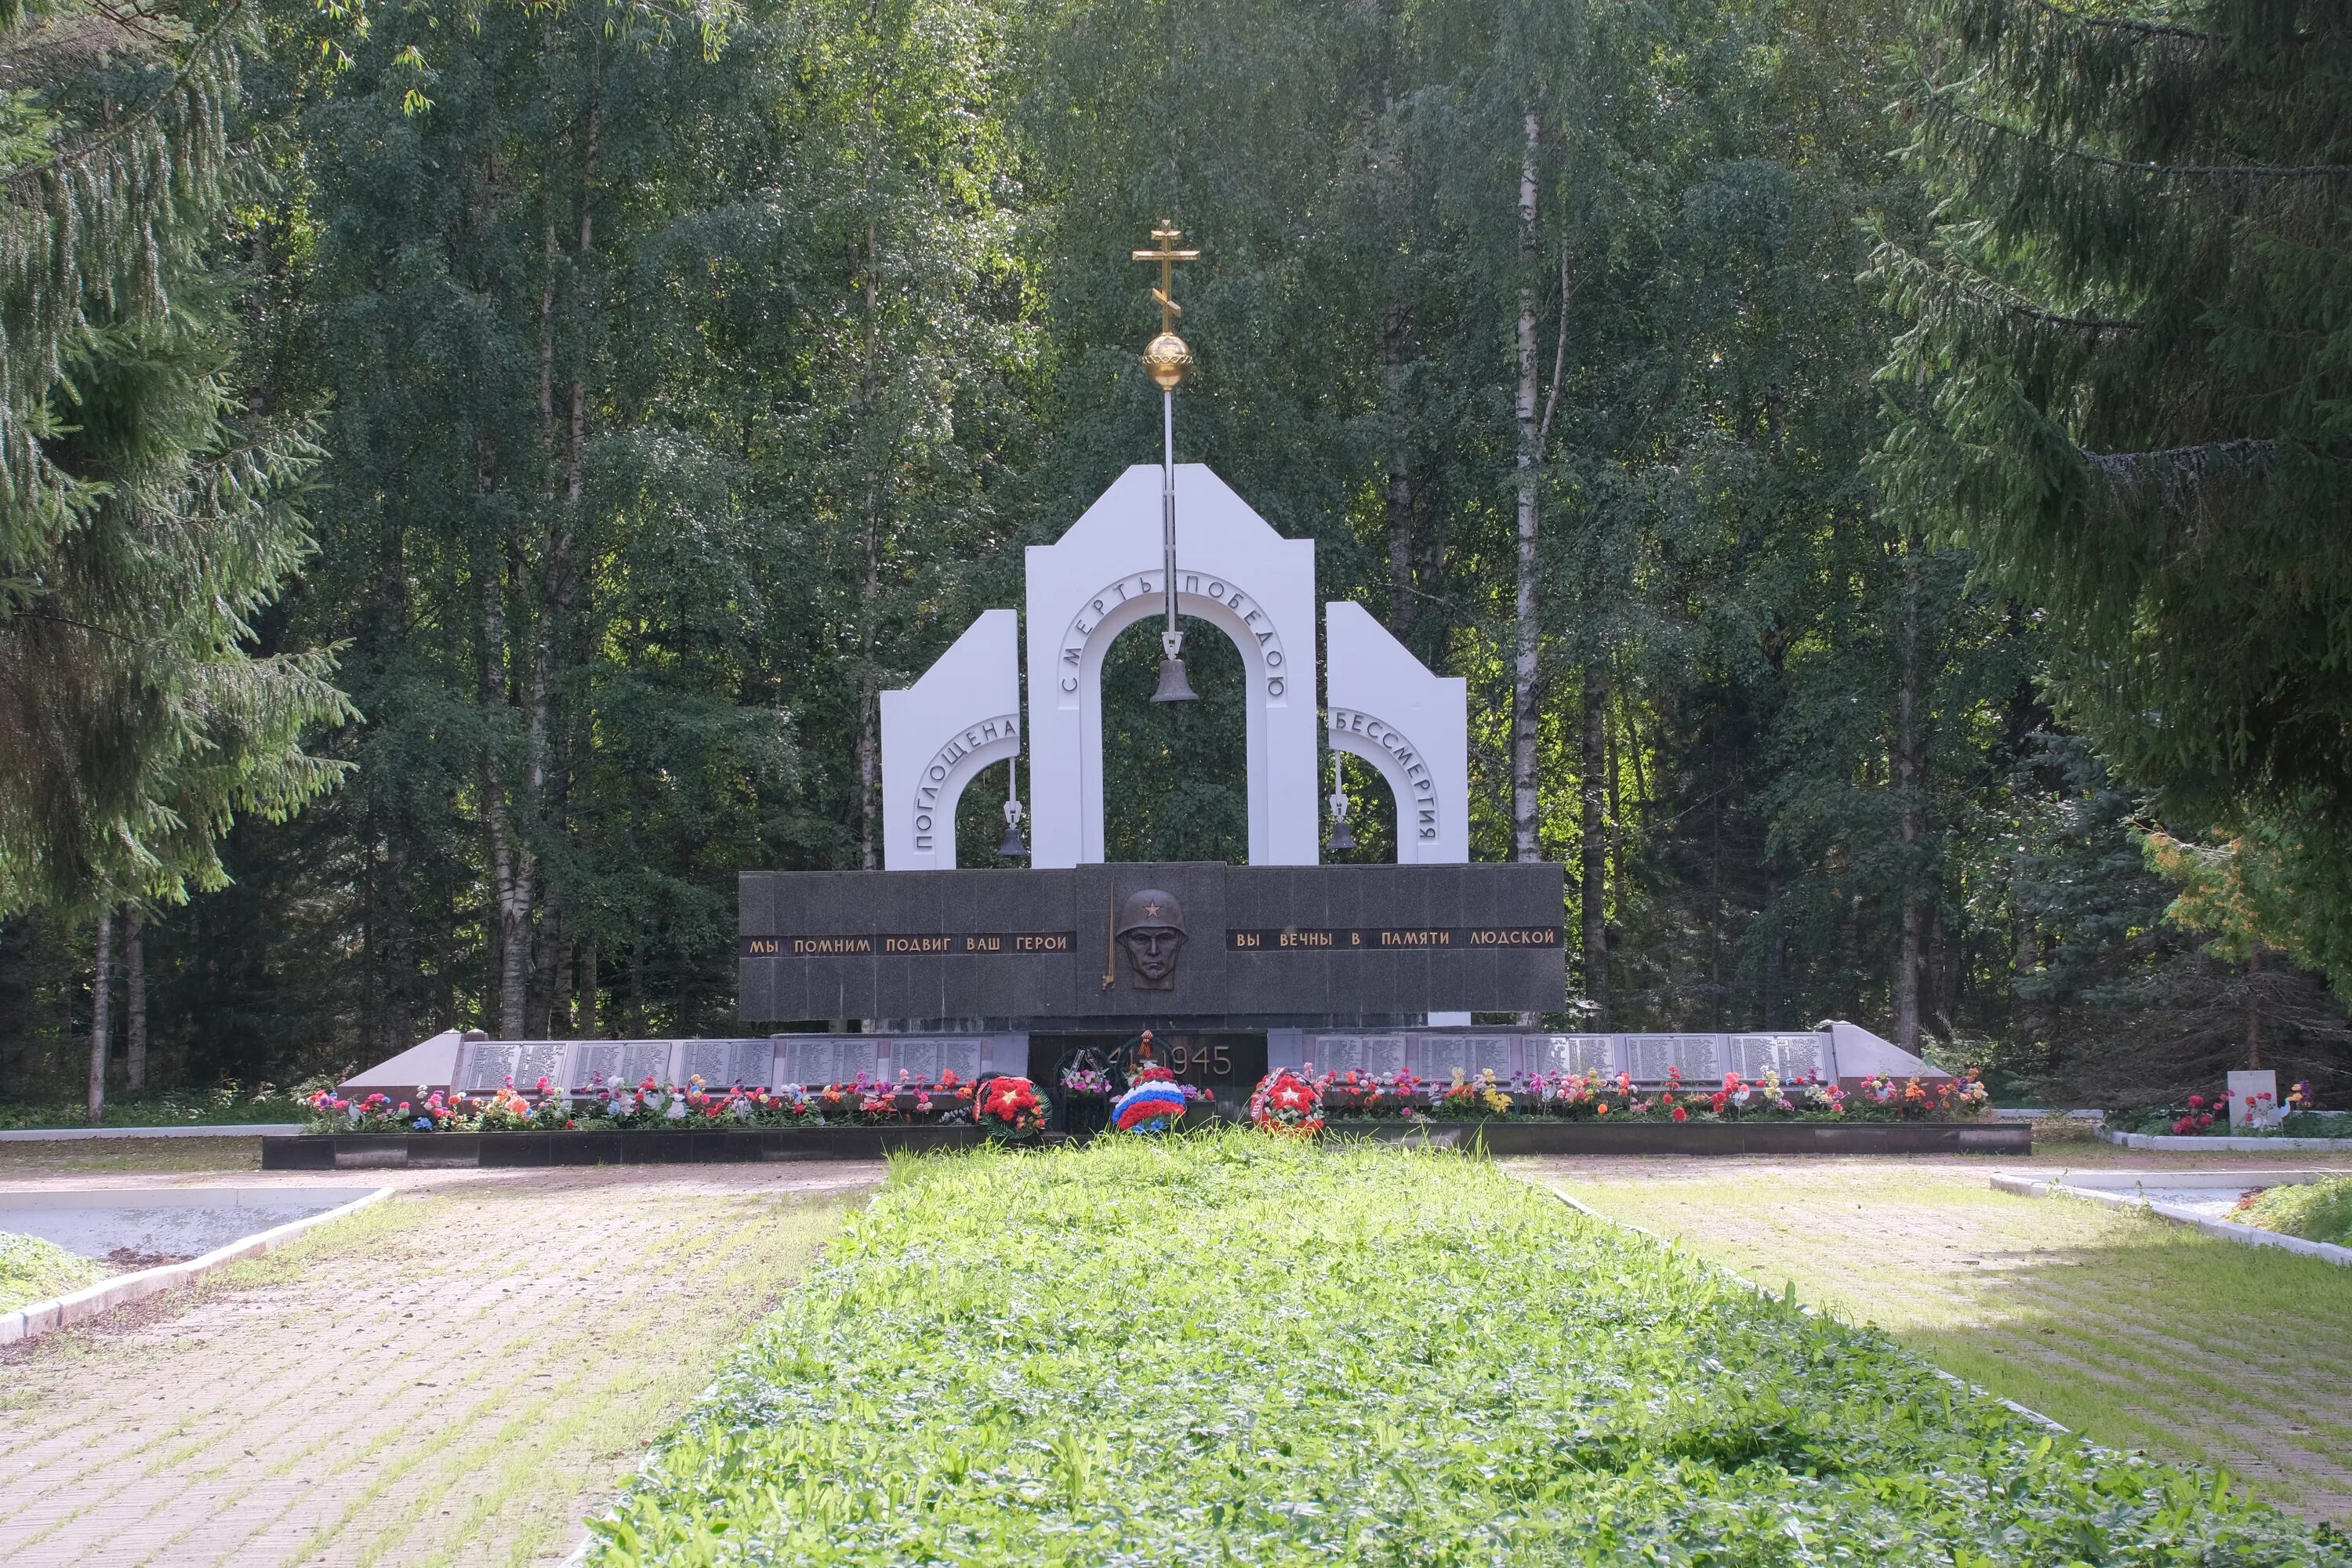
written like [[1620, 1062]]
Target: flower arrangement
[[1286, 1104], [1947, 1099], [1472, 1098], [1010, 1108], [1153, 1103], [507, 1111], [1375, 1095], [1091, 1083]]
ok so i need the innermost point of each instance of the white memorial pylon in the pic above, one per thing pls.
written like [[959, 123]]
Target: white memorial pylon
[[1384, 706], [964, 714], [1235, 573]]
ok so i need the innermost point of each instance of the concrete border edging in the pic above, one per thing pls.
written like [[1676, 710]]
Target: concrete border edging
[[2220, 1230], [208, 1129], [2230, 1145], [40, 1318]]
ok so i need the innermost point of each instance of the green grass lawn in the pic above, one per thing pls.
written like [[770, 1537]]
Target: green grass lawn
[[1230, 1350], [32, 1270], [2135, 1333]]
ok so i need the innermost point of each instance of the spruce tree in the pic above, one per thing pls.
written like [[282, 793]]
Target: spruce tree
[[145, 510], [2124, 383]]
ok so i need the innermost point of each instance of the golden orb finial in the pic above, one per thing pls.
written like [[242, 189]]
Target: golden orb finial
[[1166, 358]]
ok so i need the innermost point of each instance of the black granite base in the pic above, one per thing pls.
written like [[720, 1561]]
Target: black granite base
[[370, 1151], [362, 1152], [1541, 1137]]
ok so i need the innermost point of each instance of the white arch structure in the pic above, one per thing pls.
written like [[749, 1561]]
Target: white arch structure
[[962, 715], [1233, 572], [1384, 706]]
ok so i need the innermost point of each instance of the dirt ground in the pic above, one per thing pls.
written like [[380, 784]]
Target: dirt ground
[[2134, 1333], [459, 1374]]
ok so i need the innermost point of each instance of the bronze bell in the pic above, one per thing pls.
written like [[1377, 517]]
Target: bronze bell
[[1175, 686]]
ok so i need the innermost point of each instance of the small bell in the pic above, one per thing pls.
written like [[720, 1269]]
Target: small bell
[[1174, 687], [1341, 839], [1013, 849]]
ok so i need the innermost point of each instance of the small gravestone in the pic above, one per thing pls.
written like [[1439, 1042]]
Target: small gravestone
[[2253, 1099]]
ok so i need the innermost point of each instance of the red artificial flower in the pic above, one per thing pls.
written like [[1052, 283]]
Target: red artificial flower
[[2196, 1102], [1680, 1114]]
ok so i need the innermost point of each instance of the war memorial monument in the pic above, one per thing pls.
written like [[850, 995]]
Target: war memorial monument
[[925, 967]]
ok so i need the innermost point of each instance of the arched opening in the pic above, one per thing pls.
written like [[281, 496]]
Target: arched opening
[[980, 817], [1372, 813], [1175, 775]]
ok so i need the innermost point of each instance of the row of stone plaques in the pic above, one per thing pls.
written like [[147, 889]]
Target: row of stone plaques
[[1646, 1059], [484, 1067]]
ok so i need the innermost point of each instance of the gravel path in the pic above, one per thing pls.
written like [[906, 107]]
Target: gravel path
[[2136, 1333], [457, 1375]]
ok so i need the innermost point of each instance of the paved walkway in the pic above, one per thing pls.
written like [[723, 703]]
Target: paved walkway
[[2136, 1333], [457, 1375]]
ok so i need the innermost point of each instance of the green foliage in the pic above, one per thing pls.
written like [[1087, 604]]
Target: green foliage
[[1234, 1348], [2122, 383], [2315, 1211], [32, 1271], [225, 1104], [687, 383], [146, 513]]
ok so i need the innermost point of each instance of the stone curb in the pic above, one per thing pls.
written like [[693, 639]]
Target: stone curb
[[232, 1130], [2230, 1145], [62, 1311], [2221, 1229]]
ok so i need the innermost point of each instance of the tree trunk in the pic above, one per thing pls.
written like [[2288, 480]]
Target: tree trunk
[[1523, 675], [585, 1021], [1592, 889], [510, 870], [2253, 1006], [134, 1003], [395, 1020], [1394, 326], [15, 1001], [637, 990], [869, 591], [102, 989], [1905, 770]]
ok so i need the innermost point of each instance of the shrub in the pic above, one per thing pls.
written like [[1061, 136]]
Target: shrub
[[1223, 1348]]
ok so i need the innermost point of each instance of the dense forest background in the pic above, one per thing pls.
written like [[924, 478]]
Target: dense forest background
[[606, 402]]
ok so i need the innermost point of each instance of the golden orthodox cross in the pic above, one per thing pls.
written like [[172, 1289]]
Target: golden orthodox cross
[[1167, 255]]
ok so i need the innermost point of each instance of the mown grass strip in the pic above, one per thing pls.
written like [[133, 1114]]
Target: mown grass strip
[[1227, 1349]]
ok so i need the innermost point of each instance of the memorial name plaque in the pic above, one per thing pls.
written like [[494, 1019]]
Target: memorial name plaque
[[725, 1064], [1153, 941], [1572, 1056], [1434, 1056], [1791, 1055]]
